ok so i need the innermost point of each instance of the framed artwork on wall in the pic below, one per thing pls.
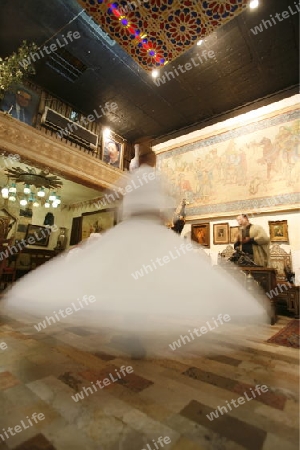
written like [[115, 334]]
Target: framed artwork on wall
[[279, 231], [112, 151], [21, 103], [200, 234], [37, 235], [234, 231], [98, 222], [221, 233]]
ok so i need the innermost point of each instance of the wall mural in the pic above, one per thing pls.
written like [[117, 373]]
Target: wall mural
[[243, 169]]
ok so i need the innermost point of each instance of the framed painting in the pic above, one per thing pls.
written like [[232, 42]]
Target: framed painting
[[279, 231], [200, 234], [37, 235], [112, 151], [20, 103], [97, 222], [221, 233], [234, 231]]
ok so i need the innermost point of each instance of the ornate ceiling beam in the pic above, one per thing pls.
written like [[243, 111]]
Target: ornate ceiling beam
[[42, 151]]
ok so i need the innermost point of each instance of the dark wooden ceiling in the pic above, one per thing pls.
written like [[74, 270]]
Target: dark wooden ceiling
[[246, 67]]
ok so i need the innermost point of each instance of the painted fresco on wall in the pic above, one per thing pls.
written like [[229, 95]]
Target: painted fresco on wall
[[242, 169]]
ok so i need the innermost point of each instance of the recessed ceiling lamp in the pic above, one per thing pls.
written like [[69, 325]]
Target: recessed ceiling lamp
[[155, 73], [253, 4], [200, 42]]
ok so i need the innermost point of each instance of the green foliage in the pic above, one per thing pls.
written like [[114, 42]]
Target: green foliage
[[15, 67]]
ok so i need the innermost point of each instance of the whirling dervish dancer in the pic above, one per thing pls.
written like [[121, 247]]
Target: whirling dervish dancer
[[141, 278]]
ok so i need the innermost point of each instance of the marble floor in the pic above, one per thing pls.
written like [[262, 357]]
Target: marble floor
[[170, 396]]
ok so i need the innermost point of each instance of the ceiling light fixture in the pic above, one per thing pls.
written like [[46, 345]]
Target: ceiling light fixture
[[200, 42], [155, 73], [12, 198], [253, 4], [5, 192], [41, 193], [34, 185], [27, 189], [52, 197]]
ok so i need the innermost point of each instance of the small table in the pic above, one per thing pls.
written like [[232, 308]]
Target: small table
[[266, 278]]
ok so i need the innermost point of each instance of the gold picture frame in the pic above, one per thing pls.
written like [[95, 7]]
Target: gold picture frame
[[38, 235], [97, 222], [200, 234], [112, 150], [279, 231], [234, 231], [221, 233]]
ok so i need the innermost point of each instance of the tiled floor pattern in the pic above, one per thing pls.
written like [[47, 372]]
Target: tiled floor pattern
[[169, 395]]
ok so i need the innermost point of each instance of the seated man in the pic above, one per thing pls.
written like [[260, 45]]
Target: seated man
[[253, 241]]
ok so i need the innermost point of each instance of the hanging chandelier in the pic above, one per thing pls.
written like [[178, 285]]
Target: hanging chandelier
[[35, 185]]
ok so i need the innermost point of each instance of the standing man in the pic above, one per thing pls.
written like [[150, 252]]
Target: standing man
[[253, 240]]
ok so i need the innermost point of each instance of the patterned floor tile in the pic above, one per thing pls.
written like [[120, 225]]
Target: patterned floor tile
[[38, 442], [250, 437], [104, 356], [167, 395], [225, 360], [7, 380], [268, 398]]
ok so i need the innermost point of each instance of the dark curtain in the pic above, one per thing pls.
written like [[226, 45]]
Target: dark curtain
[[76, 232]]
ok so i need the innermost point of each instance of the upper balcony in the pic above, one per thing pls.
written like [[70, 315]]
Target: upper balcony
[[42, 150]]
